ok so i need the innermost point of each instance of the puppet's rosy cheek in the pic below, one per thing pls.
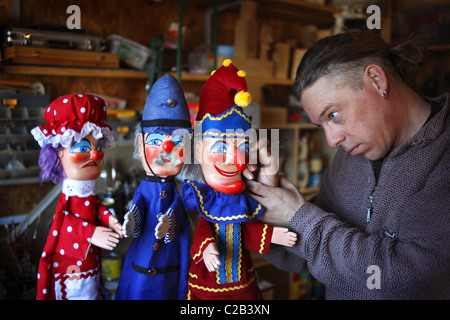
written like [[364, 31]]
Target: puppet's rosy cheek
[[151, 152], [80, 157], [181, 153], [216, 158]]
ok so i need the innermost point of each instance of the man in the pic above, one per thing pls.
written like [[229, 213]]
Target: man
[[378, 229]]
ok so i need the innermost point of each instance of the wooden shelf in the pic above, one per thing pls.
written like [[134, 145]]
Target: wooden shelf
[[295, 125], [119, 73], [203, 77], [439, 47], [298, 11], [73, 72]]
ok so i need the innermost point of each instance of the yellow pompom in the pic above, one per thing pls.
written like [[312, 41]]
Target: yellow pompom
[[226, 62], [212, 72], [241, 73], [242, 99]]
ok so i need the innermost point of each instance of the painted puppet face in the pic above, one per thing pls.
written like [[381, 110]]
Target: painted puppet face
[[164, 153], [222, 161], [82, 160]]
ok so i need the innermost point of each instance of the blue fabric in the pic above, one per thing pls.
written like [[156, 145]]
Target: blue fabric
[[231, 123], [157, 108], [218, 207], [165, 286], [222, 253]]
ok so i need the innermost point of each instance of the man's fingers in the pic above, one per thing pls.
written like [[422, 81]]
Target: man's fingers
[[259, 188], [286, 184]]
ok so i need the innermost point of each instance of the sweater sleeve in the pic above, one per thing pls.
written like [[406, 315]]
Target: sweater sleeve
[[358, 265]]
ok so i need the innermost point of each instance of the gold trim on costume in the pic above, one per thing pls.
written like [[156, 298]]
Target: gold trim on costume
[[251, 217], [243, 286], [263, 239], [201, 246]]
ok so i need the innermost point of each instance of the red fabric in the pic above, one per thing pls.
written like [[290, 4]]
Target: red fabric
[[68, 248], [218, 93], [203, 285], [72, 112]]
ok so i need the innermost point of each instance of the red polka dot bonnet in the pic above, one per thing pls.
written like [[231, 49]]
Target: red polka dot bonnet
[[71, 118]]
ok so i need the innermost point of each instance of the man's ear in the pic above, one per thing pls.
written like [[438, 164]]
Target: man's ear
[[376, 77], [61, 153]]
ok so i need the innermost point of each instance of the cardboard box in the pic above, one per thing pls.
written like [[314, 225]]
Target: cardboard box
[[61, 57]]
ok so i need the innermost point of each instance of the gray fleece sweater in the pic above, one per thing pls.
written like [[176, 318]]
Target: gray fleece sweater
[[401, 250]]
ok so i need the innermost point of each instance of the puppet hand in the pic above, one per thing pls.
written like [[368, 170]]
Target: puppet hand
[[115, 226], [211, 257], [284, 237], [105, 238], [128, 224], [162, 227]]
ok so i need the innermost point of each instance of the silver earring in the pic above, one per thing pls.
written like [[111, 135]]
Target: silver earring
[[384, 95]]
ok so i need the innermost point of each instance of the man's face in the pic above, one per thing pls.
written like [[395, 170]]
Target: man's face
[[356, 120], [222, 161], [82, 160], [164, 153]]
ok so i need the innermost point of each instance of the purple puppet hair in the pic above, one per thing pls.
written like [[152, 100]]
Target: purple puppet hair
[[51, 167]]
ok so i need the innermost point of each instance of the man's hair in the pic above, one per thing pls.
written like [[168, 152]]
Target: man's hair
[[347, 55]]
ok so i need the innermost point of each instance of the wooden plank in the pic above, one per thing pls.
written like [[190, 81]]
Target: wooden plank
[[48, 56], [253, 67], [298, 11], [74, 72], [281, 58]]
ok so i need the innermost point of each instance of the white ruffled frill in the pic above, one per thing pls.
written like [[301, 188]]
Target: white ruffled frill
[[80, 188], [66, 139]]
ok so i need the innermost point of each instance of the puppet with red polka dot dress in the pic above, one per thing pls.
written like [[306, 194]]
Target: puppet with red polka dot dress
[[72, 145]]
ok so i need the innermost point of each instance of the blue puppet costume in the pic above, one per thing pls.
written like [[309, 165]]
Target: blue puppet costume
[[157, 262]]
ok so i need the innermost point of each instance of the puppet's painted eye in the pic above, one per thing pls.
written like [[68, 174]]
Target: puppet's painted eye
[[219, 147], [154, 139], [178, 141], [83, 146], [100, 145], [244, 148]]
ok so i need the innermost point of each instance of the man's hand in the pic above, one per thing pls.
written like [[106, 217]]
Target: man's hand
[[281, 203], [267, 169]]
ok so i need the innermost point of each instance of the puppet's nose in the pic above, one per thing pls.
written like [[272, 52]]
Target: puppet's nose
[[239, 160], [167, 146], [96, 155]]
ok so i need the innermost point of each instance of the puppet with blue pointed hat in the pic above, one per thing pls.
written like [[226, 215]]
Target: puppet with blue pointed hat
[[157, 261]]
